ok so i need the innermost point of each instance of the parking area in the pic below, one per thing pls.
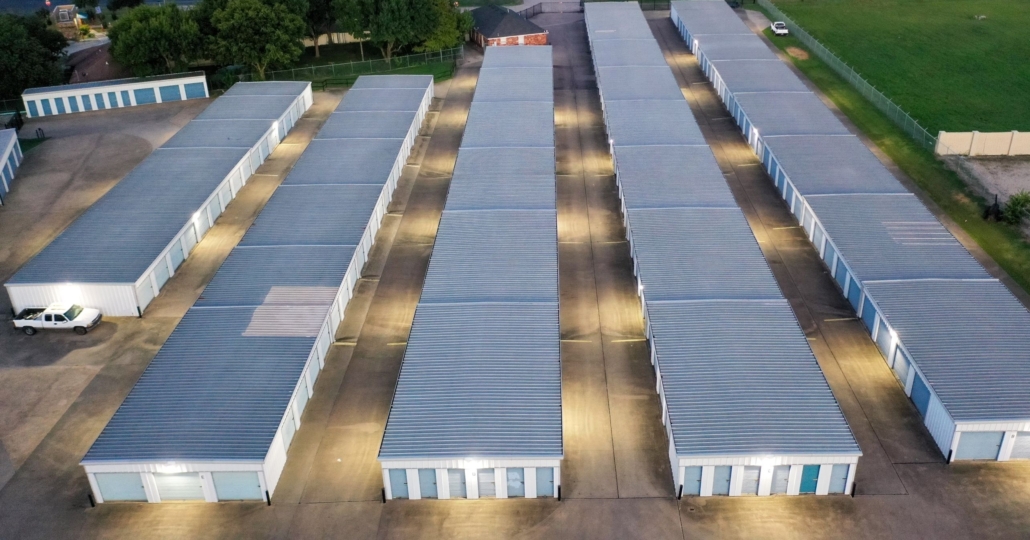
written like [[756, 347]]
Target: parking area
[[57, 392]]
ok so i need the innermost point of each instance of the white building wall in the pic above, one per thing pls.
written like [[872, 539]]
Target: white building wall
[[78, 94]]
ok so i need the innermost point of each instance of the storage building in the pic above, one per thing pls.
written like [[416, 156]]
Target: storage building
[[113, 94], [494, 25], [953, 335], [725, 344], [10, 158], [477, 410], [213, 415], [118, 255]]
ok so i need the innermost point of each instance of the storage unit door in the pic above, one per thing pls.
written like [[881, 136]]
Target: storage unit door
[[427, 483], [809, 478], [145, 293], [854, 294], [180, 487], [920, 395], [516, 482], [750, 483], [161, 273], [979, 444], [1021, 448], [692, 480], [487, 487], [883, 338], [780, 480], [868, 314], [901, 366], [177, 254], [545, 481], [839, 478], [121, 486], [237, 486], [721, 485], [399, 483], [456, 482], [144, 96]]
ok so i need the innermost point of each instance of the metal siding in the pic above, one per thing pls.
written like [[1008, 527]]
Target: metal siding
[[658, 122], [527, 175], [806, 159], [670, 177], [637, 83], [758, 76], [717, 47], [365, 124], [709, 18], [494, 124], [615, 53], [790, 113], [297, 215], [534, 84], [359, 161], [383, 99]]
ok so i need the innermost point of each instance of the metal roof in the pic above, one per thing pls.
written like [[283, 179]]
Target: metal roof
[[969, 338], [111, 82], [637, 82], [699, 254], [366, 124], [671, 177], [384, 99], [360, 161], [750, 387], [735, 47], [420, 82], [481, 375], [759, 76], [478, 381], [219, 387], [534, 84], [243, 134], [6, 135], [625, 52], [526, 173], [119, 237], [237, 107], [790, 113], [893, 237], [267, 88], [703, 18], [499, 124], [494, 256], [651, 122], [616, 20], [807, 159]]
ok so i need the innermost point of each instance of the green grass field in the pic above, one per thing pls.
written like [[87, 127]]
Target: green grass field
[[950, 71], [1004, 243]]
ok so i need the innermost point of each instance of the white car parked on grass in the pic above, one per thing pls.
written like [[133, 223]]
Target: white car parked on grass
[[779, 28]]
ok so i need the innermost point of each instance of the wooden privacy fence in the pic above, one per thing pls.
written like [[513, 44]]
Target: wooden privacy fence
[[975, 143]]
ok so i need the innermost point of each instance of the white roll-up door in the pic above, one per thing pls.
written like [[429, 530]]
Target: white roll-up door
[[487, 486], [179, 487], [237, 486], [1021, 448], [121, 486], [456, 482], [750, 483], [780, 479]]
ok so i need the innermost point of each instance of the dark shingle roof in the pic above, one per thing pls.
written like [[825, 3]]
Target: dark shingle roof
[[496, 21]]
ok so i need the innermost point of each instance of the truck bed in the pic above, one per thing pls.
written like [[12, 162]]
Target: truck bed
[[30, 314]]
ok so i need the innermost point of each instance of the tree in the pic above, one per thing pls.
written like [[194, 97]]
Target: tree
[[393, 24], [30, 55], [350, 18], [152, 40], [451, 26], [258, 35], [319, 19], [115, 5]]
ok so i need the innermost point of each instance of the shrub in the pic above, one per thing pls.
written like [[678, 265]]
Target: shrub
[[1017, 208]]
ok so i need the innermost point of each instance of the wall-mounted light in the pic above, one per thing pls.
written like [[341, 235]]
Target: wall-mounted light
[[170, 468]]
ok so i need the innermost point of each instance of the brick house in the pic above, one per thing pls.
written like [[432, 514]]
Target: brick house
[[496, 25]]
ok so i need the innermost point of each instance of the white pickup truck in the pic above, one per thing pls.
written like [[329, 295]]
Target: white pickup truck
[[779, 28], [58, 316]]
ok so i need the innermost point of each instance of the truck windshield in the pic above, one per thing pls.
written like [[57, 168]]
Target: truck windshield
[[72, 313]]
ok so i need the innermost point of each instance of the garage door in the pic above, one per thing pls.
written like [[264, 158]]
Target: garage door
[[237, 486], [179, 487], [721, 483], [545, 482], [121, 486], [427, 484], [839, 478], [692, 481], [487, 486], [780, 480], [1021, 448], [920, 395], [456, 483], [750, 484], [399, 483], [979, 444], [809, 478]]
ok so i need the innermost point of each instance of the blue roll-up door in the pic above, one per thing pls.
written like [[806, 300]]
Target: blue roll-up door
[[399, 483], [692, 481], [59, 103], [427, 483], [170, 93], [237, 486], [920, 394], [46, 107], [868, 314], [126, 102], [86, 103], [195, 90], [854, 294], [788, 194], [828, 255], [979, 444], [121, 486], [516, 481], [100, 101], [33, 111], [809, 478], [74, 104], [112, 98], [839, 478], [144, 96], [721, 484]]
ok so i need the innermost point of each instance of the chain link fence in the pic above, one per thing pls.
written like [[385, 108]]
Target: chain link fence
[[12, 105], [645, 5], [575, 6], [876, 97], [348, 69]]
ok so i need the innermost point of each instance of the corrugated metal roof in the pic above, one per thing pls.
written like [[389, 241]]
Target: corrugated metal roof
[[420, 82], [807, 160], [637, 82], [735, 47], [657, 122], [495, 124], [526, 56], [616, 20], [110, 82], [671, 177], [624, 52], [494, 256], [527, 175], [790, 113], [759, 76], [119, 237], [360, 161], [534, 84], [242, 134], [751, 386], [267, 88], [383, 99], [6, 135], [478, 381], [971, 339], [704, 18], [219, 387], [699, 254], [366, 124], [893, 237], [243, 107]]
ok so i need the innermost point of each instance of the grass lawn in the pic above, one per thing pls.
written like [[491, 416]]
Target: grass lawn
[[29, 144], [337, 54], [1004, 243], [441, 71], [950, 71]]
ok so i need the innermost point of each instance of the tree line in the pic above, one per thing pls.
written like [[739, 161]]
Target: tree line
[[30, 54], [268, 34]]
